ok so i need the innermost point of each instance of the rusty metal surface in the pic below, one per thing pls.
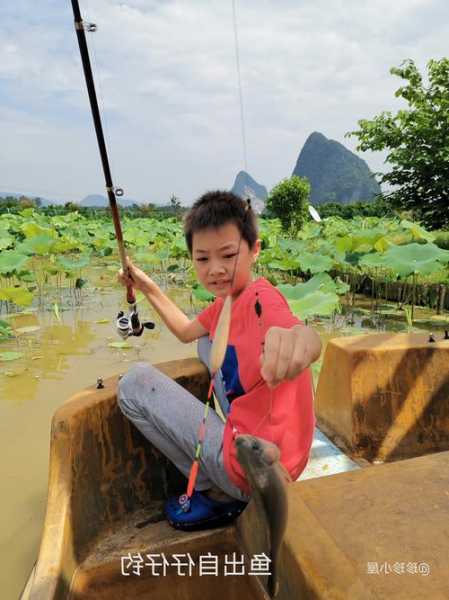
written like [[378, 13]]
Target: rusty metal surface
[[101, 469], [386, 515]]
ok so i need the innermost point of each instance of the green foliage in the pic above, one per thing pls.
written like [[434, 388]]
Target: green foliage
[[417, 143], [41, 252], [288, 201], [380, 207], [442, 239], [5, 330], [8, 356], [315, 297]]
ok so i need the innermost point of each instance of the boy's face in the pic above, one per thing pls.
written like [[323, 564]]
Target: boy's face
[[214, 255]]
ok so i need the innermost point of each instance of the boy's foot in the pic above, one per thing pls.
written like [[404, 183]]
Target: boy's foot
[[218, 495], [202, 512]]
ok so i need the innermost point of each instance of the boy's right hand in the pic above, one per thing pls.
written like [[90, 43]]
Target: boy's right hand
[[135, 278]]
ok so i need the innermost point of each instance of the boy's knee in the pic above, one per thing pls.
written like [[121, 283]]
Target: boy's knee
[[132, 384]]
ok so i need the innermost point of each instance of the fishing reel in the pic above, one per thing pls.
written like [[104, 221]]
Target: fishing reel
[[130, 324]]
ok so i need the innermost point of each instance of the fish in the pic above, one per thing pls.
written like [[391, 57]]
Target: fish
[[267, 478]]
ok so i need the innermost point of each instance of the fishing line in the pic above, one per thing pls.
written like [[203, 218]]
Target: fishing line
[[239, 84], [184, 500]]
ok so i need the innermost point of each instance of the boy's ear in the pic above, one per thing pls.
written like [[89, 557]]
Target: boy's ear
[[256, 248]]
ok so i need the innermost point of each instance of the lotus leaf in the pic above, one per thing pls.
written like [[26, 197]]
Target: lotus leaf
[[382, 244], [41, 245], [286, 264], [66, 244], [422, 259], [5, 330], [375, 260], [315, 263], [341, 287], [8, 356], [6, 240], [315, 297], [316, 303], [73, 264], [11, 260], [32, 229], [17, 295], [293, 246], [28, 212], [345, 243], [120, 345], [417, 232], [321, 281], [163, 254]]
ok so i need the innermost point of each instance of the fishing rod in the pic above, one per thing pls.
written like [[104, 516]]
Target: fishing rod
[[129, 324]]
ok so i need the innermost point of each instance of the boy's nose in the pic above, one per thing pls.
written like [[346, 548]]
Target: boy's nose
[[216, 267]]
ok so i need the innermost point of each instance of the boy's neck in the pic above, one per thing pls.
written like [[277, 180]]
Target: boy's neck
[[248, 283]]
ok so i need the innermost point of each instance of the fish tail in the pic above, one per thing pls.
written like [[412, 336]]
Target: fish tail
[[273, 585]]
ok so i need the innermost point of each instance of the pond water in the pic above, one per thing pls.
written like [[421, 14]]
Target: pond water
[[64, 351]]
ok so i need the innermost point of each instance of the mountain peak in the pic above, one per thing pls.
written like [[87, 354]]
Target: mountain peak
[[335, 173], [246, 187]]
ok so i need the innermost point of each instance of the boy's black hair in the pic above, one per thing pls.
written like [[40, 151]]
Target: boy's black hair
[[214, 209]]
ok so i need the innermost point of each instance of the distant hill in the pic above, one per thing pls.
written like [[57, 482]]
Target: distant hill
[[101, 201], [44, 201], [335, 173], [245, 186]]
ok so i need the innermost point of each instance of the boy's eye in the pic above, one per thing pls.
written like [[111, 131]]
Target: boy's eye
[[230, 255], [202, 259]]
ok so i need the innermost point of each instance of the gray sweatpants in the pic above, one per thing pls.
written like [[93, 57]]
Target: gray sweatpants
[[169, 417]]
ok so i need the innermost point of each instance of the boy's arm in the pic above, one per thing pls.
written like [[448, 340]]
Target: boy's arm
[[178, 323]]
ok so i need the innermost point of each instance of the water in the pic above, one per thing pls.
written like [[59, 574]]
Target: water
[[60, 357]]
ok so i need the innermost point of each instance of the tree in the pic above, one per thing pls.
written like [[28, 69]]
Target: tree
[[71, 206], [175, 203], [288, 201], [417, 139], [26, 202]]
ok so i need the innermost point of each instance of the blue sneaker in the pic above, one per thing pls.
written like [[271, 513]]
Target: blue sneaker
[[201, 512]]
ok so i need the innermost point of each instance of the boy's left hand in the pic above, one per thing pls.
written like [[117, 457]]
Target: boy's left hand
[[287, 352]]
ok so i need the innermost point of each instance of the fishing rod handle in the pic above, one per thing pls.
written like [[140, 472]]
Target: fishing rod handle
[[130, 295]]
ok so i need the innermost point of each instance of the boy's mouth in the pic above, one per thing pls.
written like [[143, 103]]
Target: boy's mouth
[[219, 283]]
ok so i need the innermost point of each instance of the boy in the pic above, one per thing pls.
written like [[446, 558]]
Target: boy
[[264, 387]]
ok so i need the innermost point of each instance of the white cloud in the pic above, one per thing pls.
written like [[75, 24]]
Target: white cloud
[[167, 82]]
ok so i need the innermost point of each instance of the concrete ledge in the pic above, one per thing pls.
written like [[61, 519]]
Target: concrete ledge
[[385, 395]]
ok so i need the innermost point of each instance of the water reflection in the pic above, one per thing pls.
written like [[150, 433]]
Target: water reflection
[[46, 354]]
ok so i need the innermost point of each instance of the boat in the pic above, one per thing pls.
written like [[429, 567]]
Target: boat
[[355, 530]]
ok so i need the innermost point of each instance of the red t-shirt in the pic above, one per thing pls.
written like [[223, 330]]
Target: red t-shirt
[[284, 415]]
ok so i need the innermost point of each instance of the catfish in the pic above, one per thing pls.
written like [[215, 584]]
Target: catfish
[[267, 478]]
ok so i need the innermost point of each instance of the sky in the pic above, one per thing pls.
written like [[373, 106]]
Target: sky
[[166, 80]]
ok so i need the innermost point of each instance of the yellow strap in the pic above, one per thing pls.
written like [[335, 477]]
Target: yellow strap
[[218, 408]]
